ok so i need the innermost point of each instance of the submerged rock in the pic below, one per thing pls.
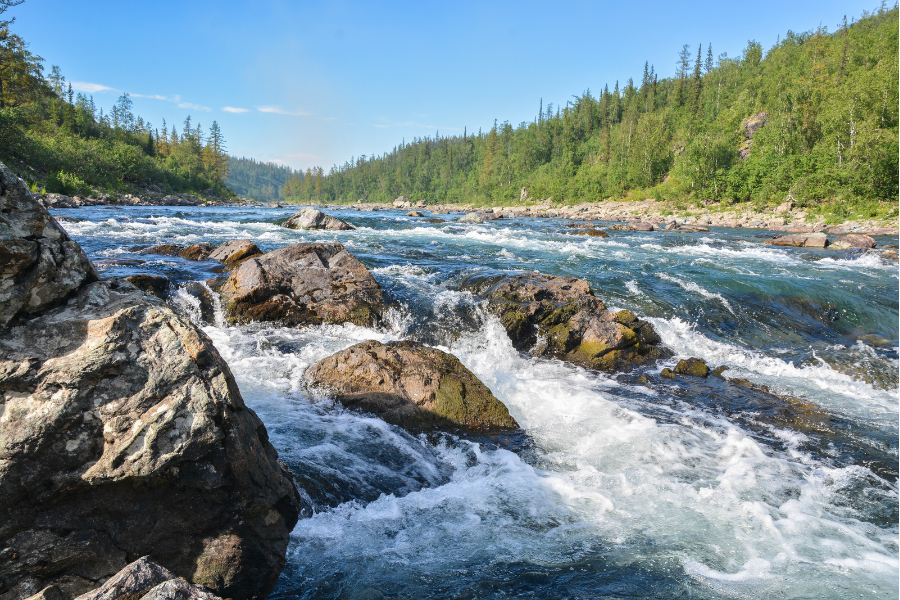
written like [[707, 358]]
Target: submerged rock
[[414, 213], [593, 233], [311, 218], [303, 284], [435, 220], [560, 316], [411, 385], [40, 265]]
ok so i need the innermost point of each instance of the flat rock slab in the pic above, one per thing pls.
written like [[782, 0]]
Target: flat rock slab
[[560, 316], [124, 434], [311, 218], [802, 240], [234, 251], [303, 284], [414, 386], [40, 265]]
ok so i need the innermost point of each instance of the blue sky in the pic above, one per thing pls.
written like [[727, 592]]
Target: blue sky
[[316, 83]]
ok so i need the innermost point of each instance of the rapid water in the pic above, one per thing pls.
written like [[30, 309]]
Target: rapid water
[[673, 489]]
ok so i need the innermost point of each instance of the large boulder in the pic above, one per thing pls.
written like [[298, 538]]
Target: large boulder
[[40, 266], [303, 284], [411, 385], [802, 240], [471, 217], [852, 240], [560, 316], [311, 218], [124, 434]]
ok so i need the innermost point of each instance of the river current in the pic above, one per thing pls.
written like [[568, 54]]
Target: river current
[[617, 489]]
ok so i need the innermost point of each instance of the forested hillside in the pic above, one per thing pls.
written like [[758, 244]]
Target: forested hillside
[[62, 142], [261, 181], [821, 107]]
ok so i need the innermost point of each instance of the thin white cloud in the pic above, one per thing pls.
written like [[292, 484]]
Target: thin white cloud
[[193, 106], [277, 110], [91, 88], [234, 109], [155, 97]]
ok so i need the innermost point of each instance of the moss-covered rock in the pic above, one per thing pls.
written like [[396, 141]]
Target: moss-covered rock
[[695, 367], [411, 385], [560, 316]]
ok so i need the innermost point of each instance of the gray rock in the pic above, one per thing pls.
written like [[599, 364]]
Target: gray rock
[[804, 240], [133, 581], [179, 589], [303, 284], [124, 434], [40, 266], [852, 241], [471, 218], [234, 251], [311, 218]]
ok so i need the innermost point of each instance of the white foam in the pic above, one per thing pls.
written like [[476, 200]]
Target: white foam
[[690, 286]]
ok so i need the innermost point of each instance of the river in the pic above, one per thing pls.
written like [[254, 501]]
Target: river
[[616, 489]]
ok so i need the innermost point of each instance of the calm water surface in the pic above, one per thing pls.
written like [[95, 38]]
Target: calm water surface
[[684, 489]]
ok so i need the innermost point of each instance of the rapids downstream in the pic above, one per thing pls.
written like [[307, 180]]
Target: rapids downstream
[[617, 489]]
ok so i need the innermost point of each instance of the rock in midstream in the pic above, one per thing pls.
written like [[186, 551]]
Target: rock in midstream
[[411, 385], [303, 284], [311, 218], [146, 579], [560, 316], [123, 434]]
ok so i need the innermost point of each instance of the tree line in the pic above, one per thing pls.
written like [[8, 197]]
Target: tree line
[[62, 141], [827, 101]]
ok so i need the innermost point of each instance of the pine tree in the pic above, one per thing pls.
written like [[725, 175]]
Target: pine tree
[[696, 83], [709, 60]]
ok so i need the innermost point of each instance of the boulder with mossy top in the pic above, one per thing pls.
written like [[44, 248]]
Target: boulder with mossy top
[[560, 316], [592, 233], [411, 385], [695, 367], [313, 218], [303, 284]]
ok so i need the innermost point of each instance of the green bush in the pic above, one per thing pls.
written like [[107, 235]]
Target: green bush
[[68, 184]]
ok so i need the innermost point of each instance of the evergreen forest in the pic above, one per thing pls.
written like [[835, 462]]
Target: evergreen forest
[[62, 142], [821, 107], [261, 181]]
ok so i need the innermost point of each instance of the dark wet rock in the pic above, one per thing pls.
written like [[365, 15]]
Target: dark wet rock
[[234, 251], [311, 218], [197, 251], [802, 240], [118, 262], [560, 316], [163, 250], [852, 240], [124, 434], [695, 367], [204, 300], [642, 379], [717, 372], [411, 385], [414, 213], [40, 265], [303, 284], [667, 373], [157, 285], [68, 219], [435, 220], [51, 592], [593, 233]]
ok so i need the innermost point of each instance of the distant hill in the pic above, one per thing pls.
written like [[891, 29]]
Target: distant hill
[[814, 118], [261, 181]]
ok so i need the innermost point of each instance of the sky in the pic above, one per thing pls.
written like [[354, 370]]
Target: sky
[[317, 83]]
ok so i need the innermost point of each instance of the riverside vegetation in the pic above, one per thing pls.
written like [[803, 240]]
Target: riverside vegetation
[[813, 119]]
